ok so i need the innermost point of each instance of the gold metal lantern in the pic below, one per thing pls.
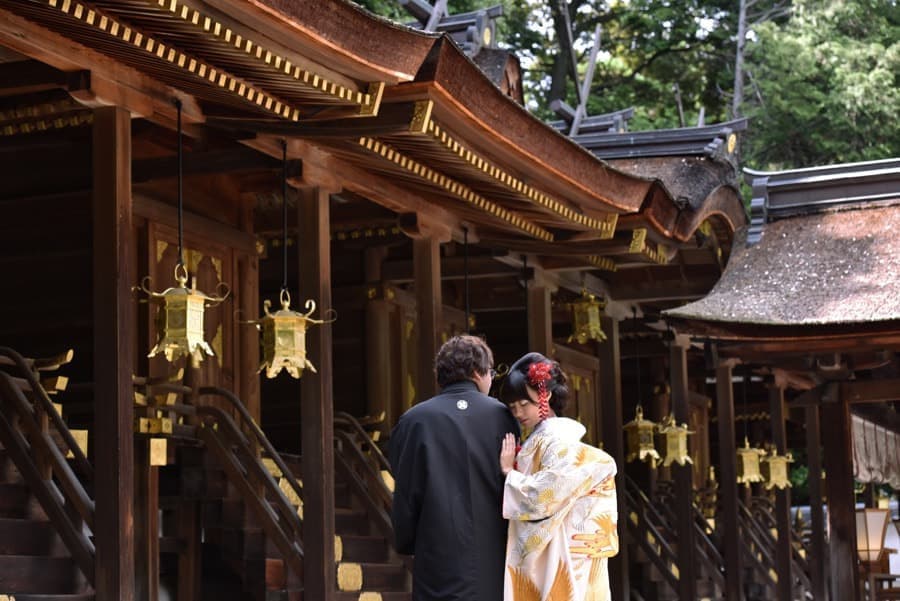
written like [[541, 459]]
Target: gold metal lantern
[[748, 463], [775, 470], [179, 322], [586, 319], [639, 439], [284, 337], [675, 441]]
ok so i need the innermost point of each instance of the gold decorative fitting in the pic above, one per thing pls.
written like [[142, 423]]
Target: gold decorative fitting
[[284, 337], [586, 319], [159, 451], [640, 246], [155, 48], [639, 439], [732, 143], [748, 464], [675, 441], [775, 470], [454, 188], [606, 226], [600, 262], [81, 439], [349, 577], [179, 322]]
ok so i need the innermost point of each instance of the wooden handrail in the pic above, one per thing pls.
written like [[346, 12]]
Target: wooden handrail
[[49, 495], [663, 557], [43, 401], [346, 420], [260, 437]]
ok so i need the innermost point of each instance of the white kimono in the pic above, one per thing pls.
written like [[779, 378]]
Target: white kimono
[[561, 505]]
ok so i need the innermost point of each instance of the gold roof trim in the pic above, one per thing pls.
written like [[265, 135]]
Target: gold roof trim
[[639, 246], [165, 52], [604, 263], [368, 101], [427, 125], [27, 127], [455, 188]]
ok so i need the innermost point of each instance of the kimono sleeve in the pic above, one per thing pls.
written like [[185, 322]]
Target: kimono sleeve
[[566, 472], [408, 460]]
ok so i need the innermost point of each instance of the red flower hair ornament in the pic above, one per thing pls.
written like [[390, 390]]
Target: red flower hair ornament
[[538, 376]]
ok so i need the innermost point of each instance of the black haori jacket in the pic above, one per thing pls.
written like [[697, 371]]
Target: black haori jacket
[[448, 492]]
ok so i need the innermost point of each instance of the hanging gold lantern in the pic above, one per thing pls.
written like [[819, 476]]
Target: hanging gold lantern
[[284, 337], [675, 439], [639, 439], [586, 319], [748, 464], [179, 322], [775, 470]]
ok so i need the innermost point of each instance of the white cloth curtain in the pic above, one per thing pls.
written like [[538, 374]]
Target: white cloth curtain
[[876, 453]]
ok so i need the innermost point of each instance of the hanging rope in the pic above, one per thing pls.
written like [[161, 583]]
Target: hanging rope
[[466, 272], [746, 378], [637, 358], [180, 185], [525, 283], [284, 217]]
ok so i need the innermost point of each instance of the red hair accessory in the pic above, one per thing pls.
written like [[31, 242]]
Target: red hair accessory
[[538, 376]]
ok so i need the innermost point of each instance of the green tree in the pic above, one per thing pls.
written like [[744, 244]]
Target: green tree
[[824, 85]]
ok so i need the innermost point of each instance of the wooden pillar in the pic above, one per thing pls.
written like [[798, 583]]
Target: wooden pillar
[[427, 274], [317, 400], [114, 355], [839, 490], [728, 481], [380, 361], [613, 438], [540, 320], [777, 411], [146, 523], [682, 476], [816, 515], [247, 348]]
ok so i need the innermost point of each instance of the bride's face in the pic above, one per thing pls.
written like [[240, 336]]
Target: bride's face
[[526, 410]]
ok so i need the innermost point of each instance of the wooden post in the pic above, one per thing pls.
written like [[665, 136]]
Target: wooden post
[[783, 543], [816, 515], [427, 273], [728, 481], [247, 348], [146, 523], [540, 320], [613, 438], [114, 355], [683, 475], [839, 490], [317, 400], [379, 361]]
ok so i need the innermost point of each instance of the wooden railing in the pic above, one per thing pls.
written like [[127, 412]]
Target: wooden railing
[[757, 550], [365, 468], [27, 420], [648, 530], [237, 448], [762, 514], [706, 552]]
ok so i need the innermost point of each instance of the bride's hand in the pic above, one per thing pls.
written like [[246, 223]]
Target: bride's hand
[[508, 454]]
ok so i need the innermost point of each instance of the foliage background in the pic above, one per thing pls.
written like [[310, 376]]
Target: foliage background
[[821, 78]]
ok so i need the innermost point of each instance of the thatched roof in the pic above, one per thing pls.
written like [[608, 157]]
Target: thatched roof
[[840, 266]]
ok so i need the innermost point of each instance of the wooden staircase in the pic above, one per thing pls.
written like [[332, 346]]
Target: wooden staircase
[[46, 553], [654, 547], [252, 508]]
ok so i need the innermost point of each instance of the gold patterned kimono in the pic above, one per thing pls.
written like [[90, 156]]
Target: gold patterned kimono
[[561, 505]]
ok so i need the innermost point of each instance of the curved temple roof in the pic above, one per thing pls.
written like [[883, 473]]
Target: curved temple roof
[[406, 105], [825, 262]]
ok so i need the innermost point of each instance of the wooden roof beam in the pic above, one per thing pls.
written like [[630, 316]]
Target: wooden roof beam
[[30, 76]]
